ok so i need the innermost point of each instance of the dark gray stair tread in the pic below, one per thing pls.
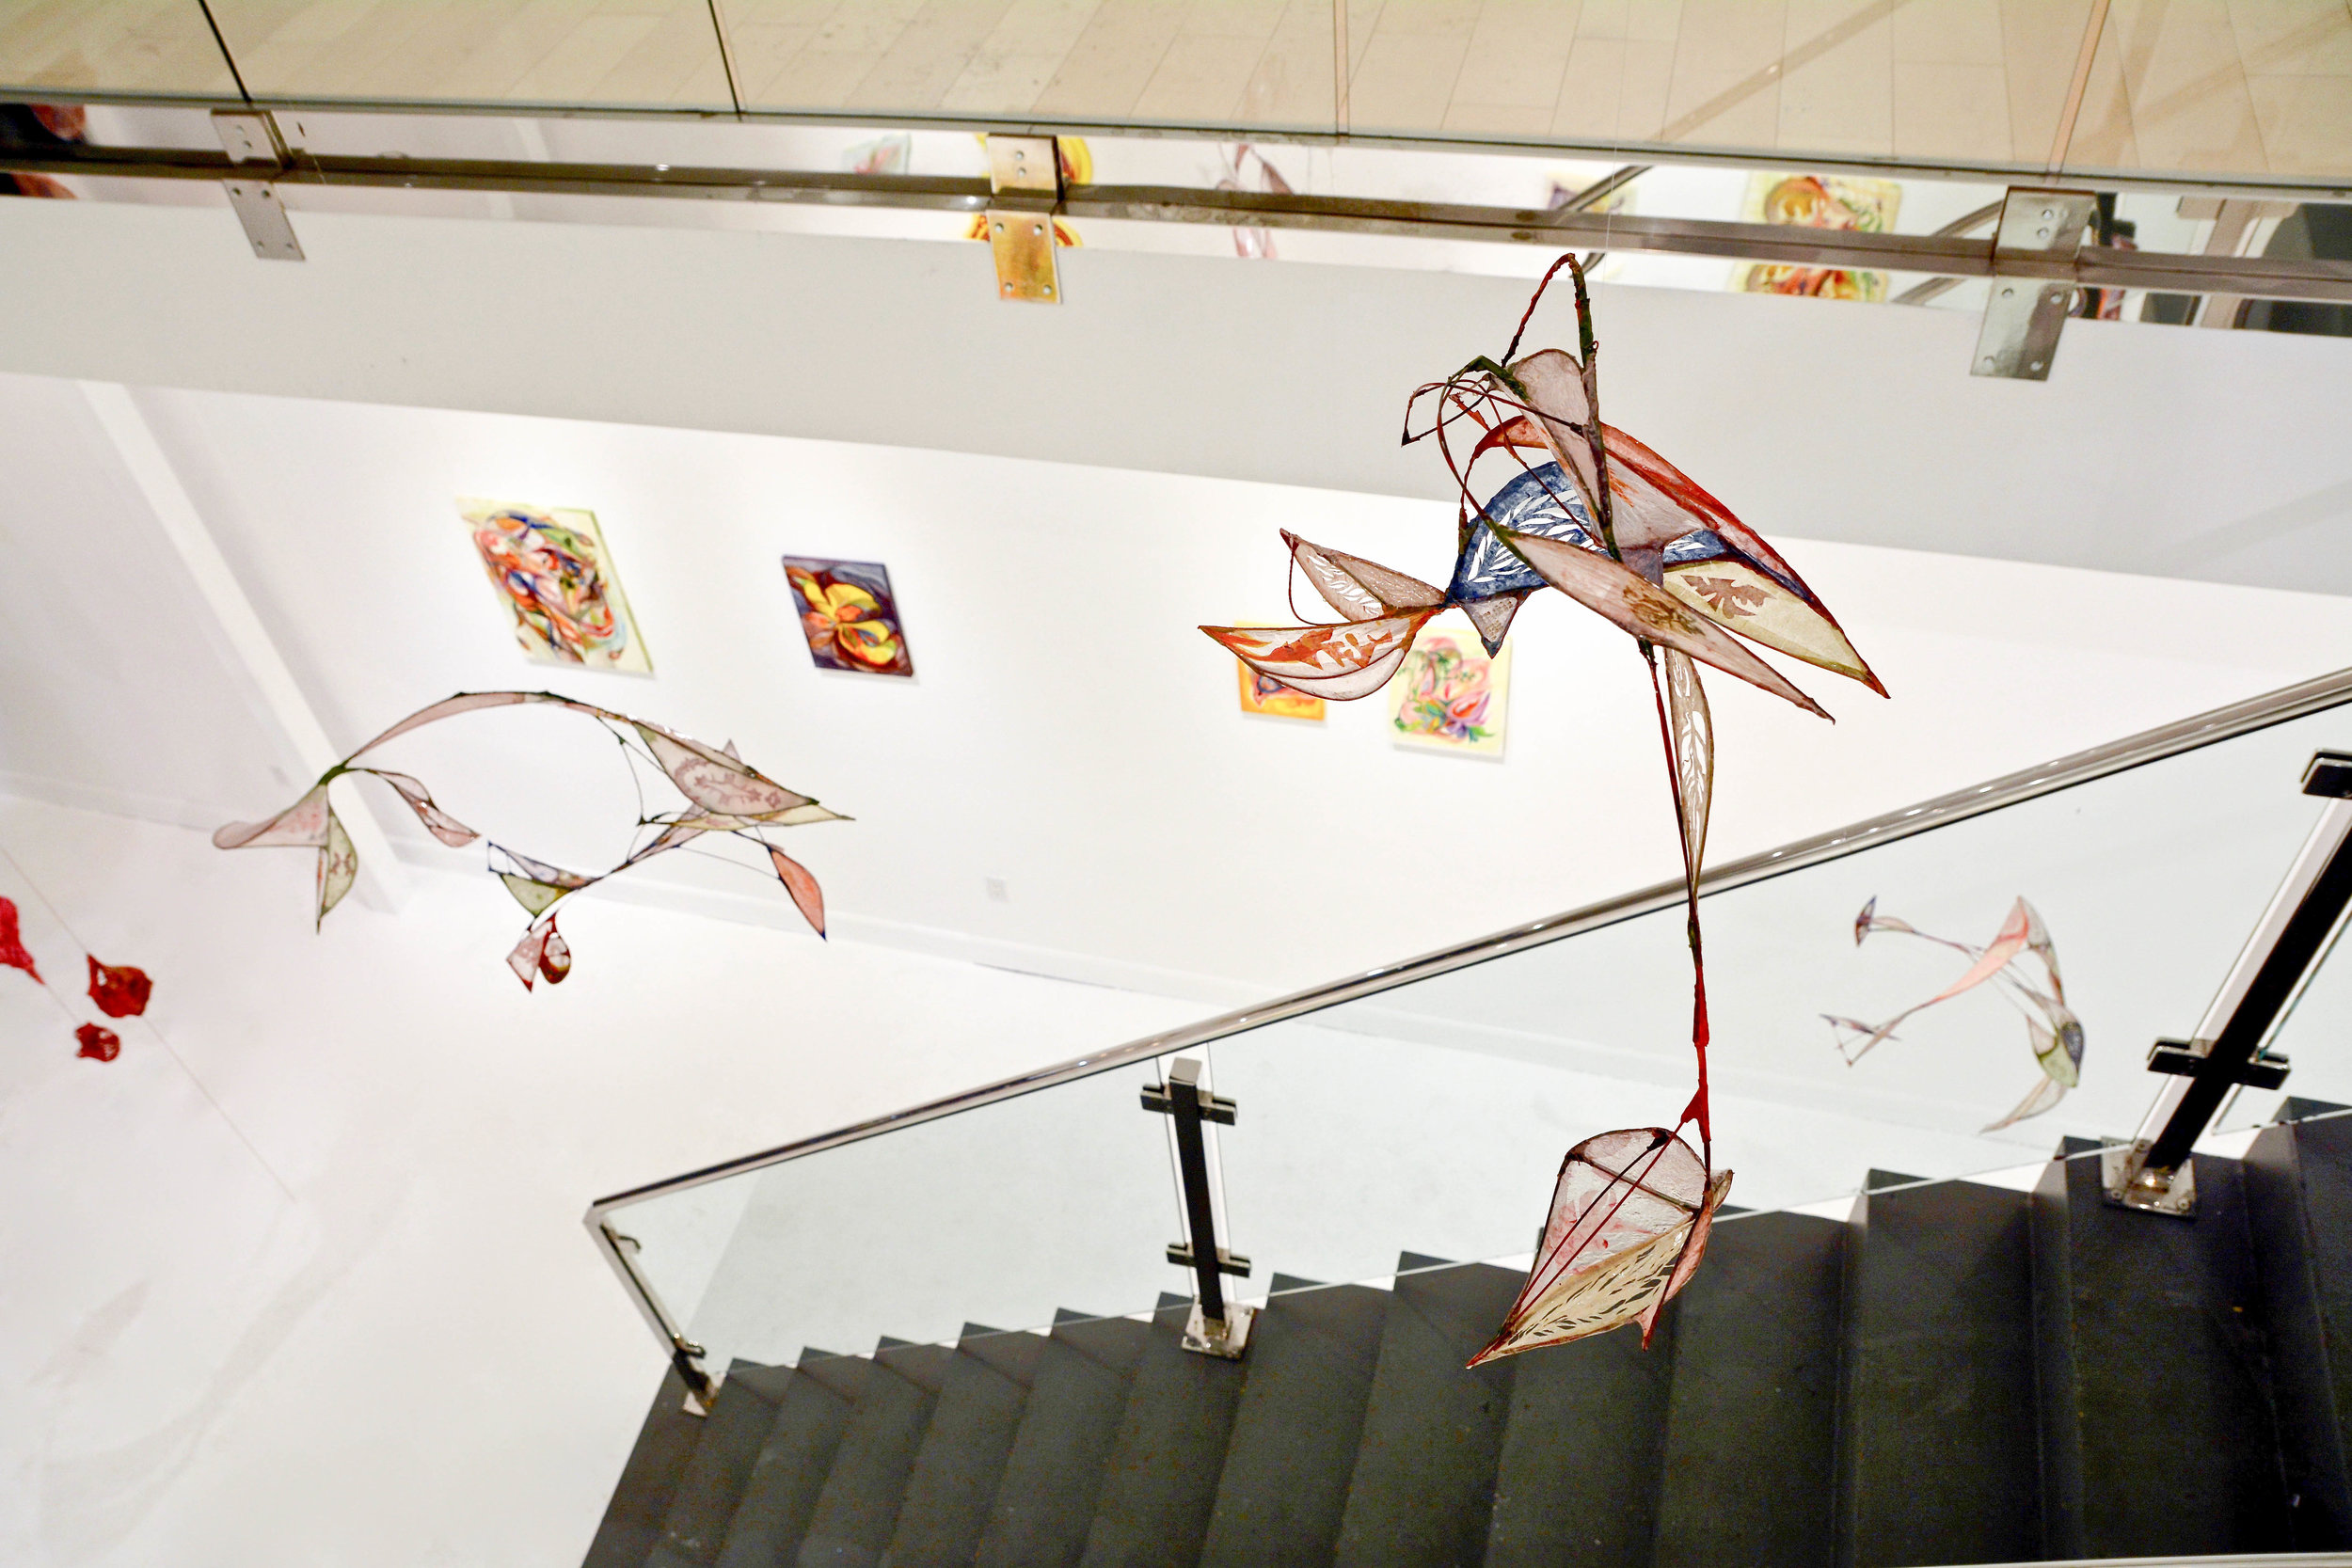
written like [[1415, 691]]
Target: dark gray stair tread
[[640, 1498], [1577, 1479], [1424, 1475], [2299, 1204], [713, 1480], [1046, 1497], [780, 1497], [858, 1507], [953, 1484], [1311, 1356], [1751, 1419], [2157, 1433], [1940, 1457], [1159, 1481]]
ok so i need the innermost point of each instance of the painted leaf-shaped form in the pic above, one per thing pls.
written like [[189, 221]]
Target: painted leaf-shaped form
[[2007, 944], [440, 824], [338, 867], [120, 990], [2037, 943], [807, 895], [303, 824], [97, 1042], [535, 897], [1555, 383], [14, 953], [1492, 617], [1644, 609], [1341, 662], [555, 956], [2057, 1044], [2044, 1094], [1693, 731], [1358, 589], [1736, 594], [524, 959], [468, 701], [1540, 500], [713, 822], [715, 780], [1625, 1222]]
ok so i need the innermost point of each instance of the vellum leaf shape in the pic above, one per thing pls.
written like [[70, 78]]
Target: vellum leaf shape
[[1693, 731], [725, 795], [1646, 611], [807, 895], [715, 780], [440, 824], [1341, 663], [339, 866], [2053, 1031], [302, 824], [535, 885], [524, 959], [1358, 589], [1629, 1219]]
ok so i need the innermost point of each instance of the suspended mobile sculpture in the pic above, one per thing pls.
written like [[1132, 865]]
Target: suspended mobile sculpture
[[118, 991], [2052, 1030], [723, 795], [1568, 502]]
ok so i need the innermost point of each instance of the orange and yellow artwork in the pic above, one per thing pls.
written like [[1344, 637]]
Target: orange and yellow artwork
[[849, 615], [1263, 694], [1819, 202]]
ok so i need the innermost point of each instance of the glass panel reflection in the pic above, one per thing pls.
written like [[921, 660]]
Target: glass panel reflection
[[113, 46]]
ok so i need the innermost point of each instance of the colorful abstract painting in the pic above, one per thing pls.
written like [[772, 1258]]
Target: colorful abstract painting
[[554, 575], [1819, 202], [1450, 696], [1267, 696], [849, 615]]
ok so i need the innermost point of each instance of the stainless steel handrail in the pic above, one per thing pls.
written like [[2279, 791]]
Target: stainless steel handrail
[[1943, 254], [2223, 723]]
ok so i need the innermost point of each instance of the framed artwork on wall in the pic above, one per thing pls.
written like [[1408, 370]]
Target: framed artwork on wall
[[554, 575], [1449, 696], [849, 615], [1267, 696]]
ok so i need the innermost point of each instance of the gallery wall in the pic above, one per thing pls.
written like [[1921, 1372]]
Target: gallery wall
[[2207, 455]]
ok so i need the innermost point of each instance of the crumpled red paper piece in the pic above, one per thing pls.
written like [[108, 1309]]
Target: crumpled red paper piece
[[99, 1044], [120, 990]]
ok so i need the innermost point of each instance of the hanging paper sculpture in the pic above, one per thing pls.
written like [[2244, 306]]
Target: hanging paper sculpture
[[1568, 502], [723, 795], [553, 572], [849, 615], [2052, 1030], [118, 989]]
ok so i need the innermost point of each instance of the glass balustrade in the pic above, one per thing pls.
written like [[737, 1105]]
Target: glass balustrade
[[1431, 1115], [2249, 89]]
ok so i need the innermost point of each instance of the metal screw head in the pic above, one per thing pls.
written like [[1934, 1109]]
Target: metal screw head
[[997, 228], [2043, 233], [1049, 288], [1008, 288], [2007, 292], [2037, 364], [1988, 362], [2049, 212], [1037, 229]]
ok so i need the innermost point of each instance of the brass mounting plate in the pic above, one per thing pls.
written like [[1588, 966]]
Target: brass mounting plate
[[1022, 244], [1225, 1340]]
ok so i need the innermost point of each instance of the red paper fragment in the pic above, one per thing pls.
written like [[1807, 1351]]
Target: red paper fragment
[[13, 952], [555, 956], [120, 990], [100, 1044]]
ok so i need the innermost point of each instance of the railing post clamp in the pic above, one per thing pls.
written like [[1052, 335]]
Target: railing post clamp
[[1217, 1326], [1025, 186]]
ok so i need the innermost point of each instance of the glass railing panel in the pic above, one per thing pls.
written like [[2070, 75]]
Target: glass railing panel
[[2245, 89], [1246, 64], [1966, 80], [113, 46], [1003, 1215], [1431, 1118], [647, 55]]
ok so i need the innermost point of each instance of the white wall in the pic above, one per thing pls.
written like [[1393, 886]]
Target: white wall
[[299, 1278], [2206, 455], [1069, 730]]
